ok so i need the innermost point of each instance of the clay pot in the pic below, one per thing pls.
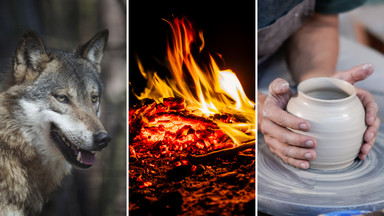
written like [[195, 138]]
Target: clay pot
[[336, 117]]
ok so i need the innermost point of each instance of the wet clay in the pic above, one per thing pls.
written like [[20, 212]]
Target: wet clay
[[327, 94], [336, 117], [286, 190]]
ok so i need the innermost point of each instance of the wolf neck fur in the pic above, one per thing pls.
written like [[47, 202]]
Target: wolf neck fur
[[16, 143]]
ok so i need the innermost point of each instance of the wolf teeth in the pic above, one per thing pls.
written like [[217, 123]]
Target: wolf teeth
[[65, 141], [62, 137], [78, 158]]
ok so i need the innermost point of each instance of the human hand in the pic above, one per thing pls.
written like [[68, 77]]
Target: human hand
[[291, 147], [352, 76]]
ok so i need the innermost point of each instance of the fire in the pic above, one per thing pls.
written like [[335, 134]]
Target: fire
[[213, 92]]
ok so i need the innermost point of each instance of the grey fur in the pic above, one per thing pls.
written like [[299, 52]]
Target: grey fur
[[48, 120]]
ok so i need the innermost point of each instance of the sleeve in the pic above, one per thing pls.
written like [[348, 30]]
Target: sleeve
[[336, 6]]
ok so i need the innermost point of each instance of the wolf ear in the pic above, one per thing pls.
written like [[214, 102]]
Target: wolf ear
[[94, 48], [30, 54]]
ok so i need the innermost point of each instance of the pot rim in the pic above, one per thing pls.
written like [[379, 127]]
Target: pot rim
[[326, 82]]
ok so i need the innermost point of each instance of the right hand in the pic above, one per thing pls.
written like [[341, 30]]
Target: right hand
[[291, 147]]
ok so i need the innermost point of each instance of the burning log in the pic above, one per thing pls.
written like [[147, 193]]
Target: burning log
[[222, 153], [168, 127]]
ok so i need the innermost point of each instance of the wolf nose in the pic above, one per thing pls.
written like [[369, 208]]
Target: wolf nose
[[101, 139]]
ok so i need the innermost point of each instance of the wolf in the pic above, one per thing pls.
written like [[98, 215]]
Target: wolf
[[49, 120]]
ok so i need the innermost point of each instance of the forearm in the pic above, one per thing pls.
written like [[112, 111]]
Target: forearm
[[313, 50]]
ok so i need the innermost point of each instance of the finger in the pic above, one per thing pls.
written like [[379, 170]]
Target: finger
[[355, 74], [278, 97], [276, 114], [302, 164], [292, 155], [362, 156], [369, 138], [279, 86], [370, 105], [286, 136], [365, 149], [279, 92], [371, 131]]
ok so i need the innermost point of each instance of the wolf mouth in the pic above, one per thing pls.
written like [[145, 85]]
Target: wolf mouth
[[76, 156]]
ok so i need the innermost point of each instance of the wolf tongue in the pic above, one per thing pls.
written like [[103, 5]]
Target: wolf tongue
[[87, 157]]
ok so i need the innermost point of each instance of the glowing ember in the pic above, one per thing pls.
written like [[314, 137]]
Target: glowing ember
[[211, 114], [169, 126], [143, 183]]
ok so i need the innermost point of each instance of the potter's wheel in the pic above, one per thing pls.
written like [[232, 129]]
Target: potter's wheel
[[285, 190]]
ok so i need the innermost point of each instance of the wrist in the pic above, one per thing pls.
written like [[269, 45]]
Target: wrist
[[260, 105]]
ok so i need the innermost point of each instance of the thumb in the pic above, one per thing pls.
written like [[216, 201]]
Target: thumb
[[280, 91], [279, 86], [355, 74]]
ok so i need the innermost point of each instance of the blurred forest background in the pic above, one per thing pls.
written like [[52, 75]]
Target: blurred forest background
[[65, 24]]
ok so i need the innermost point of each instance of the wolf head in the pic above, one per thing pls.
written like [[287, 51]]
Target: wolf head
[[57, 96]]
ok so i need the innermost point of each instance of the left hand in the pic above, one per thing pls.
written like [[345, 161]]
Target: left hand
[[352, 76]]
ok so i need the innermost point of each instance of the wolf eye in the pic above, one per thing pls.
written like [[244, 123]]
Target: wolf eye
[[62, 98], [94, 98]]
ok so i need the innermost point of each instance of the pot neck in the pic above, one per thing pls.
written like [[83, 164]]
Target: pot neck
[[321, 100]]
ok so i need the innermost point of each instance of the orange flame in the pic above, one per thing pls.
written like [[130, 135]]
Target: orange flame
[[215, 90]]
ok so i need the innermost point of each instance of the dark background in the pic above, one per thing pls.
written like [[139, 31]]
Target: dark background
[[228, 27], [65, 24]]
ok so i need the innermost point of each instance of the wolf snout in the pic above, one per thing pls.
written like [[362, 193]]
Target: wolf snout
[[101, 139]]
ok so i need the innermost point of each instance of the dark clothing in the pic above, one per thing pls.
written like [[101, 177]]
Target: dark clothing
[[271, 37], [336, 6], [271, 10], [279, 19]]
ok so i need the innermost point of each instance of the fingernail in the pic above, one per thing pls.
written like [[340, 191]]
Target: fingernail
[[370, 136], [282, 86], [308, 155], [303, 126], [370, 120], [369, 67], [304, 165], [368, 148], [309, 143]]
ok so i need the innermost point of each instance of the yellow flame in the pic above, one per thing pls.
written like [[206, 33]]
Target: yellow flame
[[214, 90], [156, 89]]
